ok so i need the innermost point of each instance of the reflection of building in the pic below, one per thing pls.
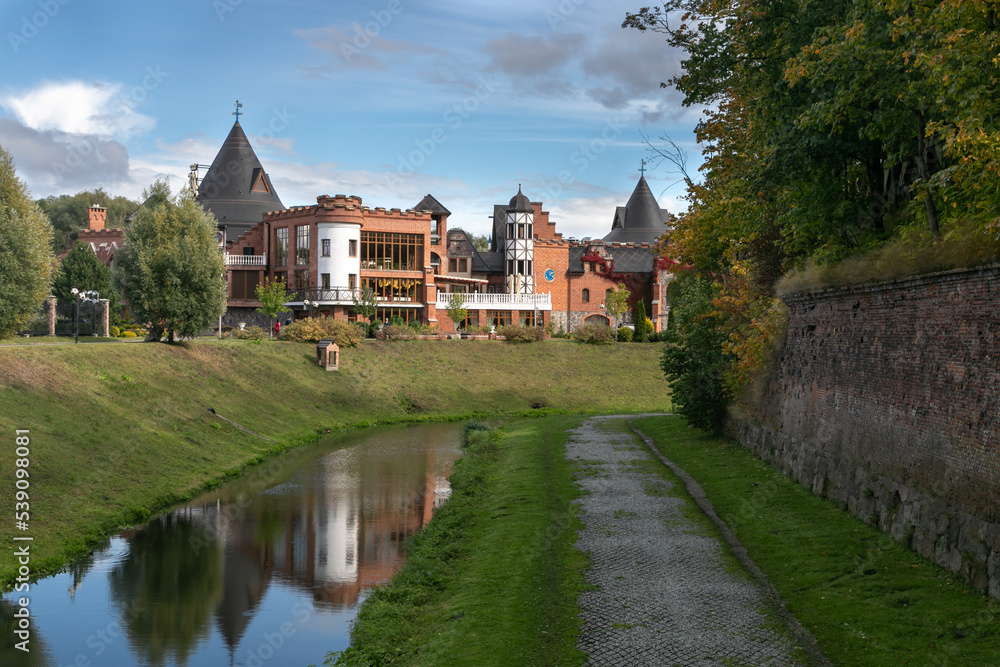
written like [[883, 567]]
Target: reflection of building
[[329, 252]]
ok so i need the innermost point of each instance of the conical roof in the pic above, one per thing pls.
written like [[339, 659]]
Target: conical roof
[[641, 220], [236, 189], [519, 203]]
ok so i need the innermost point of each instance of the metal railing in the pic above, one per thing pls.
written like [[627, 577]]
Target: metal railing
[[318, 295], [501, 301], [245, 260]]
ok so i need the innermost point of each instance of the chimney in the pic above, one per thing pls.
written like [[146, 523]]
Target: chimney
[[96, 217]]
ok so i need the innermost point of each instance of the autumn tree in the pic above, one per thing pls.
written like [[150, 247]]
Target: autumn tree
[[25, 251]]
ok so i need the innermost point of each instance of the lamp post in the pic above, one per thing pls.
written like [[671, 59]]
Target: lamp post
[[76, 315], [308, 304]]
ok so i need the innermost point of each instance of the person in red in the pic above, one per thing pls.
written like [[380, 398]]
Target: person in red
[[277, 327]]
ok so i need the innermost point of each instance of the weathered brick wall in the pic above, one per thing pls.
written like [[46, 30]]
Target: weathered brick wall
[[886, 399]]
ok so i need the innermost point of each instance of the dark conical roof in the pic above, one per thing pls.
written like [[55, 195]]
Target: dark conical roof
[[236, 189], [432, 205], [641, 220], [519, 203]]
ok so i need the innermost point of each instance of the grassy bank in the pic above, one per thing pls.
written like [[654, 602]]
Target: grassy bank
[[122, 431], [494, 578], [868, 600]]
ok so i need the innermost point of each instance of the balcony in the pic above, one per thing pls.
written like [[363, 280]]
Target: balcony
[[245, 260], [334, 296], [477, 301]]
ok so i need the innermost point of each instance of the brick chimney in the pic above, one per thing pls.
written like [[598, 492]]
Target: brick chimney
[[96, 217]]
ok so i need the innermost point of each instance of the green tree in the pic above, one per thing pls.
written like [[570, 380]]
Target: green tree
[[480, 242], [170, 268], [272, 295], [25, 251], [365, 303], [68, 213], [81, 269], [616, 303], [456, 309], [640, 322]]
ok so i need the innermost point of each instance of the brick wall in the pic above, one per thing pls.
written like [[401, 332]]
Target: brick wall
[[886, 399]]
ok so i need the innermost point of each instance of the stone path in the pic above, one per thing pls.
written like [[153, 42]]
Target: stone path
[[664, 594]]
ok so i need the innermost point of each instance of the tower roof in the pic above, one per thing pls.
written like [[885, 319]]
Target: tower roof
[[236, 189], [519, 203], [641, 220], [432, 205]]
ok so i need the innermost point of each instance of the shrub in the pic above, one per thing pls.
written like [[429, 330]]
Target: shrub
[[624, 335], [396, 332], [596, 334], [114, 331], [129, 334], [315, 329], [472, 425], [254, 333], [515, 333]]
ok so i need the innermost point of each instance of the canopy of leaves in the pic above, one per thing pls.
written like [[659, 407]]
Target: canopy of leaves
[[81, 269], [170, 268], [68, 213], [25, 251]]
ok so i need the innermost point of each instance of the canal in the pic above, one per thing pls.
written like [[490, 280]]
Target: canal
[[266, 570]]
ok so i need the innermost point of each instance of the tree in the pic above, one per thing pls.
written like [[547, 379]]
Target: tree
[[81, 269], [456, 308], [170, 268], [25, 251], [68, 213], [640, 322], [365, 303], [616, 303], [480, 242], [272, 296]]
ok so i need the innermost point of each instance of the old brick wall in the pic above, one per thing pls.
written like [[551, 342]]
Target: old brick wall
[[886, 399]]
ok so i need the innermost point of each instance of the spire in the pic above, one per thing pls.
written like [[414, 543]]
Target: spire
[[641, 220]]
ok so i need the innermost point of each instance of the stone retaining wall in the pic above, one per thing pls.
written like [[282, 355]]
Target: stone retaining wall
[[886, 399]]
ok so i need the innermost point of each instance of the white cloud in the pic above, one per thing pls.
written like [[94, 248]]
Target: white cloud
[[76, 107]]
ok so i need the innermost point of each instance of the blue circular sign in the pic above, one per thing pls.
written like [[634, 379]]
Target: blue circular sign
[[550, 275]]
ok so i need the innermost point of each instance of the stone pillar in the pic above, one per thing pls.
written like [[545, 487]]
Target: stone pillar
[[101, 327], [50, 314]]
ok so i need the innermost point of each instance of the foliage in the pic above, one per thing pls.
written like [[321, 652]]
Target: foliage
[[25, 251], [616, 303], [693, 360], [81, 269], [170, 268], [596, 334], [365, 303], [625, 335], [114, 331], [129, 334], [480, 242], [272, 295], [515, 333], [642, 325], [68, 213], [254, 333], [456, 309], [315, 329], [396, 332]]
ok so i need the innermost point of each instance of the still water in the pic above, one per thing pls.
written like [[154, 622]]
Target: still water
[[268, 570]]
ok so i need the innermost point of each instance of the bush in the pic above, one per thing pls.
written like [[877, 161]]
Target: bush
[[253, 333], [129, 334], [472, 425], [515, 333], [114, 331], [396, 332], [596, 334], [624, 335], [315, 329]]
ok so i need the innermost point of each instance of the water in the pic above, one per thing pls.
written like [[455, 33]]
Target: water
[[268, 570]]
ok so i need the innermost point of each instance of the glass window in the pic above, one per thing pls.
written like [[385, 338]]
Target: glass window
[[527, 318], [497, 318], [406, 314], [463, 265], [352, 281], [326, 247], [452, 266], [301, 245], [391, 251], [281, 246], [325, 280], [352, 248], [302, 279], [394, 289], [585, 296]]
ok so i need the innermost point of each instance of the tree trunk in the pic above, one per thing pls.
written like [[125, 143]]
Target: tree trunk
[[932, 219]]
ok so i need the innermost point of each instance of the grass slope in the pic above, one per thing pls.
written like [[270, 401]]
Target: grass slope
[[493, 579], [121, 431], [867, 600]]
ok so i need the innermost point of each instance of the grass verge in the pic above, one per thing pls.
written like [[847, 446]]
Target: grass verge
[[119, 432], [867, 599], [493, 578]]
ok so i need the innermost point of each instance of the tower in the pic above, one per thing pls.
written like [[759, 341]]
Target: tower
[[519, 246]]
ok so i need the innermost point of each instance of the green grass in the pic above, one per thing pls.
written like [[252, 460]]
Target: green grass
[[119, 432], [493, 579], [868, 600]]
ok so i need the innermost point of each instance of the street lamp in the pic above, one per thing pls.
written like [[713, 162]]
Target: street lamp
[[76, 314], [308, 304]]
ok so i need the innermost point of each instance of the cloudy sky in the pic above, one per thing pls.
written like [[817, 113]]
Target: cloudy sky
[[387, 99]]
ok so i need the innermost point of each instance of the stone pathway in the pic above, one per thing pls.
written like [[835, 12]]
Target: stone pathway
[[664, 594]]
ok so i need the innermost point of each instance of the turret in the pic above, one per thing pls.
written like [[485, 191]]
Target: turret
[[519, 246]]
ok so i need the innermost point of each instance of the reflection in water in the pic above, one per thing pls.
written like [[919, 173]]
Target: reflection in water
[[318, 526]]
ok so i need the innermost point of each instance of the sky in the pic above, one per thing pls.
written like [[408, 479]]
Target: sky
[[388, 100]]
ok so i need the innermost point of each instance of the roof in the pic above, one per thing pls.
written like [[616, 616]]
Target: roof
[[431, 205], [236, 189], [627, 259], [519, 203], [641, 220]]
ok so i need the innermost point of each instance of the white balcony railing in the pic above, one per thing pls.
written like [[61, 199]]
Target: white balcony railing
[[501, 301], [245, 260]]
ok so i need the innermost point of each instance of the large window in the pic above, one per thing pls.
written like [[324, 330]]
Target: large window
[[471, 321], [301, 245], [389, 251], [244, 285], [394, 289], [585, 296], [389, 314], [302, 279], [527, 318], [281, 246], [497, 318]]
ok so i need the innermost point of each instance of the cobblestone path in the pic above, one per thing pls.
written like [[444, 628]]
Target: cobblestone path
[[667, 592]]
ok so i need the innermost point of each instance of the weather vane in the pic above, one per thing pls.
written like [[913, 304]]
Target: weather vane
[[642, 169], [237, 112]]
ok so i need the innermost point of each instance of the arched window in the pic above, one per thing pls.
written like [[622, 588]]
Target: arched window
[[597, 319], [585, 296]]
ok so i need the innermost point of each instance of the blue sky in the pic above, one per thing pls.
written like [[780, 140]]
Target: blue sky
[[388, 99]]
